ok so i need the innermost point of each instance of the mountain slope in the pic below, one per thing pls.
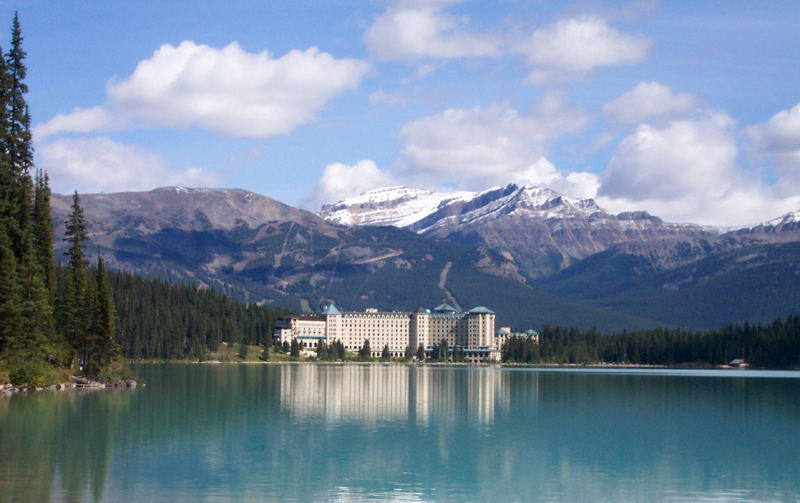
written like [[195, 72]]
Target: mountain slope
[[756, 283], [260, 250], [540, 230]]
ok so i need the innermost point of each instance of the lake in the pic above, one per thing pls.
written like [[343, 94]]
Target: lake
[[304, 432]]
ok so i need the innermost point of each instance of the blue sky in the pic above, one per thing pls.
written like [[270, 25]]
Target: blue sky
[[690, 110]]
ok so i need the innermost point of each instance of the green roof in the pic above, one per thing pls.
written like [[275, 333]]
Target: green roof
[[331, 309], [444, 308], [480, 310]]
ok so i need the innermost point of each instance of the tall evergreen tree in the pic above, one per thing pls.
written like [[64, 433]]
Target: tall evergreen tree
[[102, 348], [36, 311], [76, 298], [43, 235], [19, 145], [9, 291], [16, 145]]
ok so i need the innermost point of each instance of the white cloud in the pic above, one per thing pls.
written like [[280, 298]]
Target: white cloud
[[476, 147], [340, 181], [544, 173], [420, 30], [102, 165], [670, 161], [648, 100], [228, 90], [572, 47], [781, 133], [780, 137], [382, 97], [686, 171]]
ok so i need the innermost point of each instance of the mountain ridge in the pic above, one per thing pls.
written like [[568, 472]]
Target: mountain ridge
[[258, 249]]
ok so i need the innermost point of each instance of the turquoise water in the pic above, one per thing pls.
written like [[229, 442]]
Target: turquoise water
[[208, 433]]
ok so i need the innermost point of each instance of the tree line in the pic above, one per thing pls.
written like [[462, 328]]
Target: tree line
[[161, 320], [775, 345], [44, 325]]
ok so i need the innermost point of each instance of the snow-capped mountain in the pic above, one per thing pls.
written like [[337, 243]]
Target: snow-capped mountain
[[397, 206], [784, 229], [541, 230]]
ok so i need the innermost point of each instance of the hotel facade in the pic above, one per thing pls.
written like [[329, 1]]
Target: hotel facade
[[472, 331]]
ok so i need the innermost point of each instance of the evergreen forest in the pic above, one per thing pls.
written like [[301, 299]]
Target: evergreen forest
[[775, 345]]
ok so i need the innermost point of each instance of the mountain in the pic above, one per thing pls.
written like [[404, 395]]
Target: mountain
[[538, 229], [258, 249], [755, 283], [632, 262], [396, 206]]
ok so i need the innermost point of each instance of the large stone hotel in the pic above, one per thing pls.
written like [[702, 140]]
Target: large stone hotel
[[473, 330]]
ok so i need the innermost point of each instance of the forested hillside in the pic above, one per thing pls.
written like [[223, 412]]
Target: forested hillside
[[157, 319]]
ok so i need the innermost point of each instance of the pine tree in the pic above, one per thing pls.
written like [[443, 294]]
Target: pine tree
[[9, 291], [103, 349], [36, 327], [16, 145], [19, 145], [365, 352], [76, 299], [43, 235]]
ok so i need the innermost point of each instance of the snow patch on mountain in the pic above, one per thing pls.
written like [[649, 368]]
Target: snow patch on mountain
[[792, 217], [398, 206]]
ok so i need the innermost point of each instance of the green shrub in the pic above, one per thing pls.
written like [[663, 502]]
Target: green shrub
[[31, 372]]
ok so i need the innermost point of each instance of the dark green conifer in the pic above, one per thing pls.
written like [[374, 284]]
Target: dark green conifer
[[365, 352], [43, 236], [103, 348], [77, 316], [36, 315], [9, 291]]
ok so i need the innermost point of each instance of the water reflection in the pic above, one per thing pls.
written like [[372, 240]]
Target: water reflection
[[394, 432], [372, 394], [58, 445]]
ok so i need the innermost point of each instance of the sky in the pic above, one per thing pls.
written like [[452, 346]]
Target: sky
[[688, 110]]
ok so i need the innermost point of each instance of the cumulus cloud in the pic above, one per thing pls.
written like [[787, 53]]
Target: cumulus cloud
[[680, 157], [102, 165], [420, 30], [780, 136], [542, 172], [479, 146], [340, 181], [228, 90], [572, 47], [646, 101], [687, 171]]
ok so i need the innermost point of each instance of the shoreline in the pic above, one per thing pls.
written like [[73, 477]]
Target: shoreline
[[598, 365], [76, 383]]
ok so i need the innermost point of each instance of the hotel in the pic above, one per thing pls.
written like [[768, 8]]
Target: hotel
[[472, 331]]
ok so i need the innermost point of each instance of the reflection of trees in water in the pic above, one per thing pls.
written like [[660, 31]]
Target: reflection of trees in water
[[65, 436]]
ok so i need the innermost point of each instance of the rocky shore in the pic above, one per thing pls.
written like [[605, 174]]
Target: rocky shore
[[76, 382]]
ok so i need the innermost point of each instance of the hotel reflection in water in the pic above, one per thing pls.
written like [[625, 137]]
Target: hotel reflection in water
[[362, 394]]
